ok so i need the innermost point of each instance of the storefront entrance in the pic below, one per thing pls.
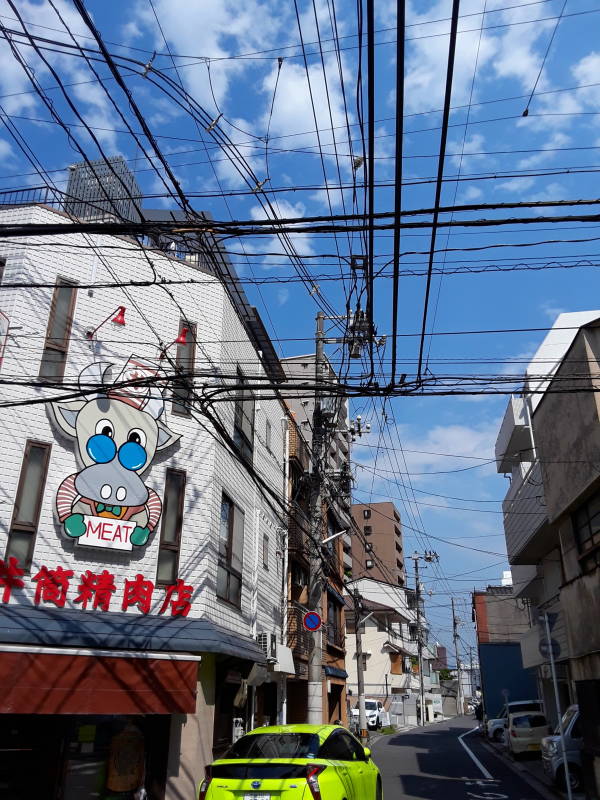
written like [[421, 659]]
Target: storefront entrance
[[83, 757]]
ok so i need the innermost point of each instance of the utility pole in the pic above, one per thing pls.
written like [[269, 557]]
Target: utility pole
[[459, 699], [419, 641], [428, 556], [315, 579], [558, 708], [357, 338], [360, 675]]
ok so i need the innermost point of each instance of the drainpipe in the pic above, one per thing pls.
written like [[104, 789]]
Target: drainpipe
[[283, 542]]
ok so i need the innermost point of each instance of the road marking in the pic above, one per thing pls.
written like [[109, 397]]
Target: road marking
[[477, 762]]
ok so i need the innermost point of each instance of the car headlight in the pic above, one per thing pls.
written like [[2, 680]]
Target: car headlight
[[551, 748]]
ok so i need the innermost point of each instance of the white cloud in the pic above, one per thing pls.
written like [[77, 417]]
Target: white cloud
[[547, 150], [471, 151], [516, 184], [586, 71], [272, 244], [214, 29], [551, 309], [283, 296], [6, 151], [428, 454], [470, 193]]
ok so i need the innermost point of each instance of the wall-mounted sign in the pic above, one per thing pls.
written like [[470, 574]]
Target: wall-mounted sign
[[117, 430], [112, 533], [93, 590], [312, 621]]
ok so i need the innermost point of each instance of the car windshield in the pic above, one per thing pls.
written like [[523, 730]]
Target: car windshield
[[275, 745], [566, 720], [370, 705]]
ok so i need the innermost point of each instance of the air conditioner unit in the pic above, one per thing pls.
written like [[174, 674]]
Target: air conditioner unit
[[268, 644]]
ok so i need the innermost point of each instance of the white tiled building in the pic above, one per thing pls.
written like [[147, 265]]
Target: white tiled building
[[236, 587]]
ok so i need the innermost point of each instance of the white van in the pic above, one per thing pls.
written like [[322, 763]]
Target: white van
[[374, 710]]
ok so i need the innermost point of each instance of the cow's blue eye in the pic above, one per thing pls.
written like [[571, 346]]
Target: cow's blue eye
[[132, 455], [101, 448]]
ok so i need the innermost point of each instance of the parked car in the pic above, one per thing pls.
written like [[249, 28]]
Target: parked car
[[552, 755], [525, 731], [304, 762], [374, 710], [495, 727]]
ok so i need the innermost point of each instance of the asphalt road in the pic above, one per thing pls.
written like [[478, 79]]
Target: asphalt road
[[430, 763]]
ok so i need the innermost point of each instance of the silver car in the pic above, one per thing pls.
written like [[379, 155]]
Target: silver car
[[552, 756]]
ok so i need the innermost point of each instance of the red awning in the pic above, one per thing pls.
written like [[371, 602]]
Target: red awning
[[44, 683]]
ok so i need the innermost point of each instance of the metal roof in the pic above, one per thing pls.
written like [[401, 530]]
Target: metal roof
[[119, 631]]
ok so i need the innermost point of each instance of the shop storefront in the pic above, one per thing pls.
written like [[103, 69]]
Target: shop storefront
[[88, 700]]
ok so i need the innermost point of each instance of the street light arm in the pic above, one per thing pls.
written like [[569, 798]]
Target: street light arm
[[334, 536]]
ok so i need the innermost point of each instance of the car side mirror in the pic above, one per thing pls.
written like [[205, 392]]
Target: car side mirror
[[367, 753], [506, 723]]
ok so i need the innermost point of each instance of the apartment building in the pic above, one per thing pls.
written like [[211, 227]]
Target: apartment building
[[380, 543]]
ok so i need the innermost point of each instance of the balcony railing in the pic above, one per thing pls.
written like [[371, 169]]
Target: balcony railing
[[336, 636], [299, 526], [298, 637], [524, 513]]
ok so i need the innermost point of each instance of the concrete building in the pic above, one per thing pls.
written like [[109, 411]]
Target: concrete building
[[103, 189], [153, 613], [548, 442], [501, 619], [381, 542]]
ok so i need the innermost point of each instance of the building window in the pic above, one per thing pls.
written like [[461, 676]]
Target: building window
[[170, 532], [2, 266], [299, 575], [265, 552], [243, 423], [368, 530], [335, 634], [58, 332], [586, 524], [366, 513], [231, 550], [364, 657], [28, 502], [184, 363], [268, 434]]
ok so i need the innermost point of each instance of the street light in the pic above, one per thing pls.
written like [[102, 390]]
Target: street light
[[118, 319]]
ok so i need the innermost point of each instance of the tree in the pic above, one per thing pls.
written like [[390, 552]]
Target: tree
[[446, 675]]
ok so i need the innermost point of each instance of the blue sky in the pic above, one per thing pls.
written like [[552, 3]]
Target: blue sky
[[446, 442]]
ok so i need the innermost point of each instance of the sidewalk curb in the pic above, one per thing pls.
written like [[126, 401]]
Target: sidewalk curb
[[547, 791]]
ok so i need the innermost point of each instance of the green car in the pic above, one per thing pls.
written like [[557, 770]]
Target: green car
[[294, 762]]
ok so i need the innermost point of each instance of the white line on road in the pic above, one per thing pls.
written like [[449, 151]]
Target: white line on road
[[478, 763]]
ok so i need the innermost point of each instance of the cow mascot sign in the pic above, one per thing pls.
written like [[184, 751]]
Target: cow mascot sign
[[117, 432]]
